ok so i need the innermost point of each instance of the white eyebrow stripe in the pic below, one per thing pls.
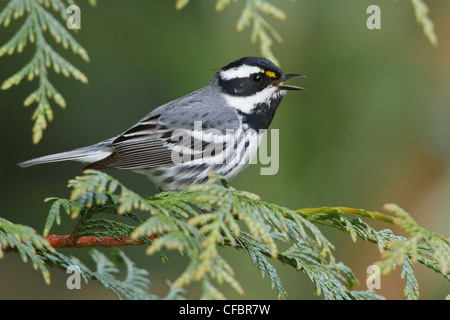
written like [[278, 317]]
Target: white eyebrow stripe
[[239, 72]]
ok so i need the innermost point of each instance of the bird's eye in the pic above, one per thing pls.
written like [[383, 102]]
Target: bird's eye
[[256, 77]]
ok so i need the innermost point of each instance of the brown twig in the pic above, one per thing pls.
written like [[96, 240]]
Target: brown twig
[[72, 241]]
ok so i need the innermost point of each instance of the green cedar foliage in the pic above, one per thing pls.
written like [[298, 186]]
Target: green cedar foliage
[[39, 21], [200, 220]]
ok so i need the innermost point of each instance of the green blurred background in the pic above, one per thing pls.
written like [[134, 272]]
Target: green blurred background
[[372, 127]]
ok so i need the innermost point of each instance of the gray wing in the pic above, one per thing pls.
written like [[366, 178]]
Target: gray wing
[[150, 142]]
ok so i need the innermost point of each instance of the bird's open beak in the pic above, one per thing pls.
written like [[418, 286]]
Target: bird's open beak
[[285, 77]]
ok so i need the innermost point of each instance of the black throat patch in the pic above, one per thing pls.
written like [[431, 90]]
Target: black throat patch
[[262, 115]]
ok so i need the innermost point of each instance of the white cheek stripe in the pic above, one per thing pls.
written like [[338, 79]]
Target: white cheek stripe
[[239, 72], [247, 104]]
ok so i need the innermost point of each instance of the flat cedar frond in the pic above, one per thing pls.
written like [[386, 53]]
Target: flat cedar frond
[[133, 284], [26, 241], [200, 220], [39, 21], [423, 246], [54, 213], [197, 222], [421, 13]]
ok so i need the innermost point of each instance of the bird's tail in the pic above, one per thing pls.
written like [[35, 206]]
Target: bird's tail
[[88, 154]]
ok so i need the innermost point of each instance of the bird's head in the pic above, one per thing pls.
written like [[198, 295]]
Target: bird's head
[[252, 81]]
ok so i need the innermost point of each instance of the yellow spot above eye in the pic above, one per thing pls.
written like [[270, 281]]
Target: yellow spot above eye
[[271, 74]]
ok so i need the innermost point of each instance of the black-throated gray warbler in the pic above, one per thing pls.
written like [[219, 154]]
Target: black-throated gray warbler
[[216, 128]]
